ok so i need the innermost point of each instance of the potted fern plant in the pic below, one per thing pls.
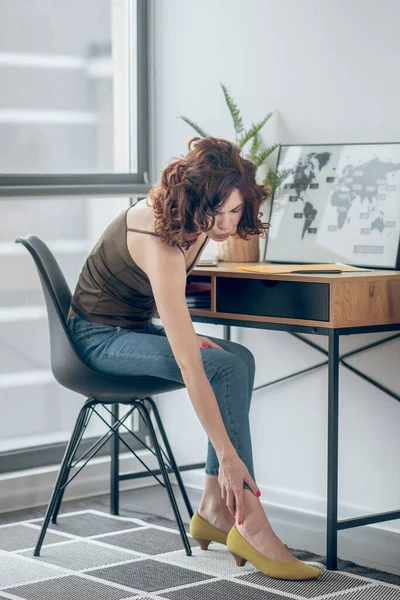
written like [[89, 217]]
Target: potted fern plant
[[235, 249]]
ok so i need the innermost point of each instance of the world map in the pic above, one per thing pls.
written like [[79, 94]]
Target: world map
[[367, 181]]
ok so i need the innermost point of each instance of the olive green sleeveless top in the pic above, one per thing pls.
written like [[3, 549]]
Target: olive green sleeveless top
[[112, 289]]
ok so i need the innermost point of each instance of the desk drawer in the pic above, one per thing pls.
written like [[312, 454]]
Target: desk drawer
[[270, 298]]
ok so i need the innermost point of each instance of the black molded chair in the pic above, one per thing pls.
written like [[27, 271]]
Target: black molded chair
[[99, 389]]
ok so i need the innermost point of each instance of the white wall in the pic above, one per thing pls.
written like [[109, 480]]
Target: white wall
[[331, 69]]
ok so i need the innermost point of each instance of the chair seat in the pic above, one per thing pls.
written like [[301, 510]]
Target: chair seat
[[115, 388]]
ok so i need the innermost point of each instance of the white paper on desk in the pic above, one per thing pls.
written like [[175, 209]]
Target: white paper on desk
[[359, 268]]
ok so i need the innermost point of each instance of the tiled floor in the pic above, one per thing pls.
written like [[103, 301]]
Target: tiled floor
[[90, 554]]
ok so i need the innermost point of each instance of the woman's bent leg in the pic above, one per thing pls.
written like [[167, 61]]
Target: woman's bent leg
[[228, 375], [243, 353], [242, 365]]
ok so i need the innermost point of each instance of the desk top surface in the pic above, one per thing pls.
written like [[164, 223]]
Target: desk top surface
[[226, 269]]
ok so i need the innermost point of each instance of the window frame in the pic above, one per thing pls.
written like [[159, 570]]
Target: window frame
[[100, 184]]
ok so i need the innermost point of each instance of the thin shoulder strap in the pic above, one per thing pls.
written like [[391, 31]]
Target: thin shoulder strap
[[142, 231], [149, 233]]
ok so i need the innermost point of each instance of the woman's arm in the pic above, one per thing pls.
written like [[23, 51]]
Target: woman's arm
[[167, 275], [165, 268]]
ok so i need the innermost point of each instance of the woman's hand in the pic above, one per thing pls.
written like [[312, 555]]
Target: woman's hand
[[232, 473], [204, 342]]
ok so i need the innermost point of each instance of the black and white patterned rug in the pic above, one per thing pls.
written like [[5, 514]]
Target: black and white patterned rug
[[93, 555]]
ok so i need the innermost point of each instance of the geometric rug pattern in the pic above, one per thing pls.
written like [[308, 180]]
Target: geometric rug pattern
[[91, 555]]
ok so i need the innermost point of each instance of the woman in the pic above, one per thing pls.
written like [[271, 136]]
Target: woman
[[141, 262]]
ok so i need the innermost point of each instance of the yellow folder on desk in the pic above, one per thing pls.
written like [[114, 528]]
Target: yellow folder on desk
[[272, 269]]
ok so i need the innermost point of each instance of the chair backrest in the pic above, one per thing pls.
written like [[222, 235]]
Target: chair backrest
[[67, 366]]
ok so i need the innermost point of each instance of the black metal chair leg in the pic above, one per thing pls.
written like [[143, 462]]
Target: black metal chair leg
[[144, 410], [171, 456], [114, 496], [60, 494], [65, 465], [65, 479]]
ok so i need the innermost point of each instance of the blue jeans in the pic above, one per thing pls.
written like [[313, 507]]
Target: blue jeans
[[146, 351]]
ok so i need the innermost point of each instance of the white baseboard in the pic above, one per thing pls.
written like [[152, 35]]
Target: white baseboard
[[304, 505], [25, 489]]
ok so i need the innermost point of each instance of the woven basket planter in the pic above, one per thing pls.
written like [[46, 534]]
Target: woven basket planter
[[234, 249]]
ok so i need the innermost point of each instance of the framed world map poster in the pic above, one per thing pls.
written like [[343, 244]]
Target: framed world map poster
[[338, 203]]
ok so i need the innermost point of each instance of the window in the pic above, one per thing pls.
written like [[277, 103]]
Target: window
[[73, 153], [73, 99]]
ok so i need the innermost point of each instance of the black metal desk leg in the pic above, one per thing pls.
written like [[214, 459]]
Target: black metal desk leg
[[333, 432], [114, 464]]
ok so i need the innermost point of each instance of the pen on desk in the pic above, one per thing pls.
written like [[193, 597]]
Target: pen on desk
[[324, 271]]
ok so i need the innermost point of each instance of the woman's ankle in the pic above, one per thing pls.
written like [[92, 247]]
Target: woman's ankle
[[211, 501], [213, 508], [255, 520], [218, 516]]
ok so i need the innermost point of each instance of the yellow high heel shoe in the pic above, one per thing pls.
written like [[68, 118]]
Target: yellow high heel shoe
[[243, 551], [204, 533]]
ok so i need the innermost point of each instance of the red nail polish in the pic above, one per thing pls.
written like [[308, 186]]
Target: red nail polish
[[258, 493], [204, 345], [239, 522]]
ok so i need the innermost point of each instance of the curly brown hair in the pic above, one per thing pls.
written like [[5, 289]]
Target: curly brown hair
[[193, 186]]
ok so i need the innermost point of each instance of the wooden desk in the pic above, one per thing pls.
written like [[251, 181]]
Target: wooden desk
[[331, 305]]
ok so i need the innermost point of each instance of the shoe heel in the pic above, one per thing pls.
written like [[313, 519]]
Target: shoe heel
[[203, 543], [239, 560]]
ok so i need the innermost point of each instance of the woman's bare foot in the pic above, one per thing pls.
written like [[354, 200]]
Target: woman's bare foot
[[212, 507], [257, 531], [221, 519]]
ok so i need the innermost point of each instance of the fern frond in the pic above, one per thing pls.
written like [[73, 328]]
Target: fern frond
[[255, 147], [234, 110], [270, 179], [280, 177], [253, 130], [194, 125], [264, 154], [274, 179]]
